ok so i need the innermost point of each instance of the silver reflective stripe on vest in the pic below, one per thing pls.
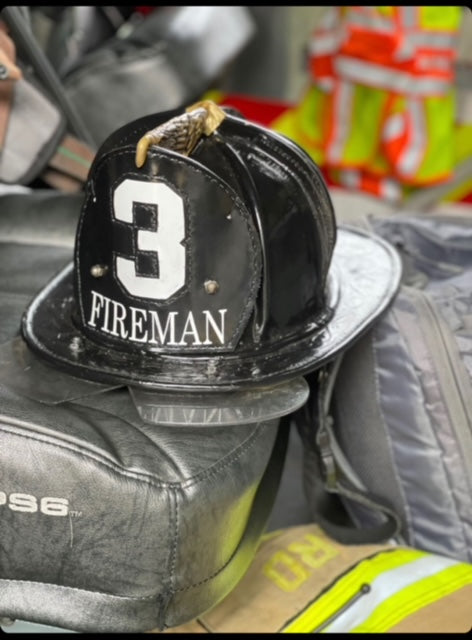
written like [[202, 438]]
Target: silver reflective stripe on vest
[[433, 40], [409, 19], [394, 127], [412, 155], [386, 585], [324, 44], [370, 74], [372, 22], [390, 189], [342, 118], [408, 16]]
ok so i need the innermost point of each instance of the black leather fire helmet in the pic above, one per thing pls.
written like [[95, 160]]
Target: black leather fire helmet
[[208, 272]]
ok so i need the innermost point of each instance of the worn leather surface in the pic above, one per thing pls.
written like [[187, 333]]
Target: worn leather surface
[[110, 524], [291, 291]]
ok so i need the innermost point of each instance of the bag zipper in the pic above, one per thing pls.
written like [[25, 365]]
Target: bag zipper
[[452, 375]]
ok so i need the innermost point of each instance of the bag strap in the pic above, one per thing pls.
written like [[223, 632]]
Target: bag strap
[[327, 472], [9, 73]]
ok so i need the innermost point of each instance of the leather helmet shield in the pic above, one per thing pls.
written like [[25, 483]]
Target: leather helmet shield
[[297, 224], [167, 258]]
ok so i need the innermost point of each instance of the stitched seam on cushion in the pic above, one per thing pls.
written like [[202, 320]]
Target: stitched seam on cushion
[[141, 477], [247, 443], [173, 551], [212, 576]]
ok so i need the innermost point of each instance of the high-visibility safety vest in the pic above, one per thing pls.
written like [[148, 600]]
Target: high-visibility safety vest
[[379, 113], [302, 581]]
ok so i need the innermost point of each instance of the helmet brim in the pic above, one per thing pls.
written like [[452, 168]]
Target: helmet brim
[[364, 276]]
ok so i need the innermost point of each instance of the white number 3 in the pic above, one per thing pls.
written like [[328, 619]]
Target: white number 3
[[166, 241]]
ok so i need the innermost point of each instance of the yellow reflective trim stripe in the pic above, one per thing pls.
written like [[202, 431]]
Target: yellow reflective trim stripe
[[387, 585], [415, 597], [347, 587]]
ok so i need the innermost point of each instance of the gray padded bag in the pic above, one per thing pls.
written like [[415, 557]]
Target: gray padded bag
[[395, 441]]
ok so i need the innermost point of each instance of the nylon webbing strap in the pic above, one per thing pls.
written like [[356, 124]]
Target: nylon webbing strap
[[327, 471], [68, 168]]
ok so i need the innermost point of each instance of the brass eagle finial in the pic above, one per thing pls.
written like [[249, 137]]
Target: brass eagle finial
[[182, 132]]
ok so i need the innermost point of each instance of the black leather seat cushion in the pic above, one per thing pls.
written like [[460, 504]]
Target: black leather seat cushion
[[109, 523]]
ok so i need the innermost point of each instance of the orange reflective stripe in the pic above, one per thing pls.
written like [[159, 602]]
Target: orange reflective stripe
[[321, 67], [370, 45], [401, 42], [398, 40]]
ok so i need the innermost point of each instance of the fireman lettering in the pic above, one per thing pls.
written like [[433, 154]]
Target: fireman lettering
[[152, 327]]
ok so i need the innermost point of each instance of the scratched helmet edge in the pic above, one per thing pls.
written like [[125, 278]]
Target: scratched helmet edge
[[151, 303]]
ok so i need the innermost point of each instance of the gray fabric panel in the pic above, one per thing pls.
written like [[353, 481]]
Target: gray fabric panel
[[441, 489], [362, 431], [402, 446], [437, 254]]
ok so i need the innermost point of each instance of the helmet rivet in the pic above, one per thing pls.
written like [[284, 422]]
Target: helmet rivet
[[98, 270], [211, 369], [76, 344], [211, 286]]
